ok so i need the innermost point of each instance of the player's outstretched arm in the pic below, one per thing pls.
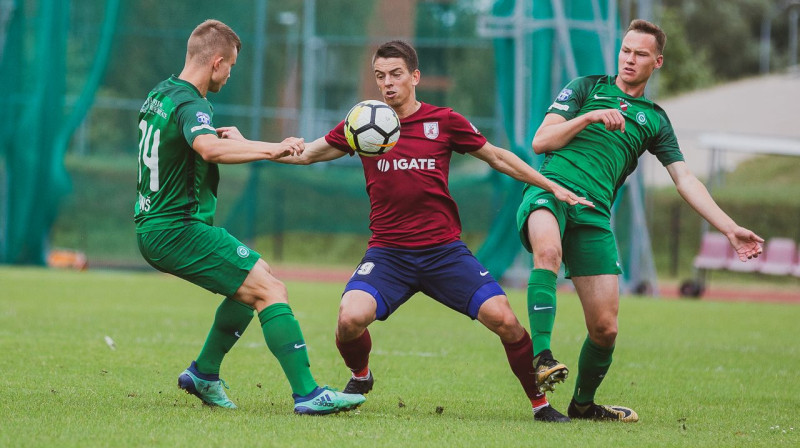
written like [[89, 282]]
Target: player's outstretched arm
[[236, 149], [556, 131], [510, 164], [317, 151], [746, 242]]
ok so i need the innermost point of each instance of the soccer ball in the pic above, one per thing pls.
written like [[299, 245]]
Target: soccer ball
[[371, 128]]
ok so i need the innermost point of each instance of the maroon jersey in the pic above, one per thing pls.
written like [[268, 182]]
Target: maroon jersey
[[408, 186]]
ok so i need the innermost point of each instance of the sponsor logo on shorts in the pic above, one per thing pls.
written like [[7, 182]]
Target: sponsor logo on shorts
[[542, 201], [641, 118], [365, 268], [242, 251]]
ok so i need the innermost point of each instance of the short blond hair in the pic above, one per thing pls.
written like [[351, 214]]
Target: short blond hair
[[209, 38]]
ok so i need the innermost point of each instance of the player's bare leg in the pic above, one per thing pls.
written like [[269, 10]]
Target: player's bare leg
[[545, 238], [356, 312], [599, 295], [496, 314]]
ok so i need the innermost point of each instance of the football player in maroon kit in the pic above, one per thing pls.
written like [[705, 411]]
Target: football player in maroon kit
[[415, 244]]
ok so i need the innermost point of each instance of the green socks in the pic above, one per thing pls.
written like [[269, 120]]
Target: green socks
[[230, 322], [594, 360], [281, 332], [593, 365], [541, 307], [285, 341]]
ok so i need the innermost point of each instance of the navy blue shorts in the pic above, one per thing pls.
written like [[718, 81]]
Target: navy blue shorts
[[449, 274]]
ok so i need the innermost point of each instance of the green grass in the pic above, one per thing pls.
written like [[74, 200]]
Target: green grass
[[698, 373]]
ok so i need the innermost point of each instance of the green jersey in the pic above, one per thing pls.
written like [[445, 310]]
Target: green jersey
[[599, 160], [176, 186]]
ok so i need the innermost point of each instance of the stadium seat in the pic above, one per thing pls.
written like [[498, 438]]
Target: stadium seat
[[751, 265], [715, 252], [780, 257], [796, 268]]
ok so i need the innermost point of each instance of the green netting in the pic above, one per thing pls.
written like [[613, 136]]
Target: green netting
[[33, 65], [37, 131]]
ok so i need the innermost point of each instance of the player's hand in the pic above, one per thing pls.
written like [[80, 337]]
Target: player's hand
[[231, 132], [291, 146], [747, 244], [564, 195], [612, 119]]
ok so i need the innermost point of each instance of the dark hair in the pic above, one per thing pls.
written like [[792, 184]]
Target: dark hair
[[643, 26], [398, 49], [210, 37]]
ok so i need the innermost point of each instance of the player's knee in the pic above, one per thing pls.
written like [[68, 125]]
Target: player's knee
[[497, 316], [270, 292], [547, 257], [277, 290], [508, 328], [352, 320], [604, 333]]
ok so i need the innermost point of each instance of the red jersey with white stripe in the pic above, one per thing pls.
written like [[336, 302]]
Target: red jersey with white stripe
[[411, 206]]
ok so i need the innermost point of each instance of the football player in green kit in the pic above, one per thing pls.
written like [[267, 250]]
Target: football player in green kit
[[593, 135], [179, 150]]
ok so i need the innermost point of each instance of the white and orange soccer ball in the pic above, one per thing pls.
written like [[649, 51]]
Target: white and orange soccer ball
[[371, 128]]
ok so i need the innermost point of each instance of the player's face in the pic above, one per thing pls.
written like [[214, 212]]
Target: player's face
[[395, 82], [222, 70], [638, 57]]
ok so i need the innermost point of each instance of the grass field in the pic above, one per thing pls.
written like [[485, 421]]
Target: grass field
[[698, 373]]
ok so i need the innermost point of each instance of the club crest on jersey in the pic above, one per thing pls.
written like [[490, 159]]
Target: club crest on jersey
[[431, 129], [623, 105], [203, 118], [564, 95]]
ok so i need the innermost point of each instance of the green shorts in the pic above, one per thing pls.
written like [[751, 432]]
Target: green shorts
[[205, 255], [587, 242]]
